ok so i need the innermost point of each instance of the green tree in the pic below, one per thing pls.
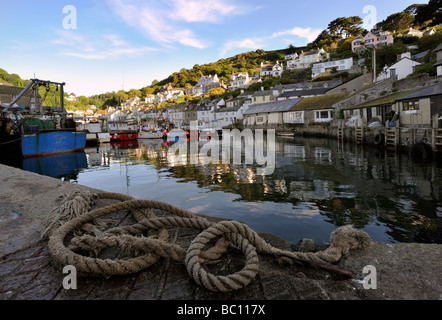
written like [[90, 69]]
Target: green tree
[[429, 14], [397, 22]]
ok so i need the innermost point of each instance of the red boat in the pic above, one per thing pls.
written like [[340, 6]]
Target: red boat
[[126, 135]]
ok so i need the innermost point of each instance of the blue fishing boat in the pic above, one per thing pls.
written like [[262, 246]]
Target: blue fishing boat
[[36, 131]]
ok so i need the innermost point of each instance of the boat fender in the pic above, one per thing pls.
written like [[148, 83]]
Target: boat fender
[[379, 138]]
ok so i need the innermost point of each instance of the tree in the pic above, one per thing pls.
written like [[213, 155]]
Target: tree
[[397, 22], [430, 13], [345, 27], [215, 92]]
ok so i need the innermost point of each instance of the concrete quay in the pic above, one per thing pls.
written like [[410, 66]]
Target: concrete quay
[[403, 271]]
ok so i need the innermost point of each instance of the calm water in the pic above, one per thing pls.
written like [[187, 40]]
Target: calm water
[[317, 186]]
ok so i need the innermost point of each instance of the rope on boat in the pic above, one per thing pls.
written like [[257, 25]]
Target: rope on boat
[[74, 228]]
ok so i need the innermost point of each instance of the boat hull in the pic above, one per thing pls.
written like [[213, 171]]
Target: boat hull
[[124, 136], [42, 143], [52, 142]]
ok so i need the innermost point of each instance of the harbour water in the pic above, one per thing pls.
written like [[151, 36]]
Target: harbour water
[[317, 186]]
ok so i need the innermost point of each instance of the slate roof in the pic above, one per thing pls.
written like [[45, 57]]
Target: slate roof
[[301, 93], [431, 91], [438, 48], [383, 100], [274, 106]]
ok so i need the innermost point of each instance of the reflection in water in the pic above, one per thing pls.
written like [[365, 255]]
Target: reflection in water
[[317, 185]]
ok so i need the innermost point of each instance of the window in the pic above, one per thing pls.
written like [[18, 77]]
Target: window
[[323, 115], [259, 119], [392, 72], [411, 105], [369, 41]]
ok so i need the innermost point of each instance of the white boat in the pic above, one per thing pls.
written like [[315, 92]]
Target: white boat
[[94, 132], [153, 134]]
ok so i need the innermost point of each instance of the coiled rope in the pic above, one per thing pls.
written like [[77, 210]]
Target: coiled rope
[[74, 227]]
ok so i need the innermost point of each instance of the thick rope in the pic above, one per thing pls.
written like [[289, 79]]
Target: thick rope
[[74, 219]]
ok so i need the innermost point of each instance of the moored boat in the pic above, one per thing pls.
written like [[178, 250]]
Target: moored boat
[[38, 131], [150, 133]]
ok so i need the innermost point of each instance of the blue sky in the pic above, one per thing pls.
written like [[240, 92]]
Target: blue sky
[[96, 46]]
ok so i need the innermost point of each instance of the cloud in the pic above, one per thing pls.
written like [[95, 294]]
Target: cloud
[[202, 10], [154, 23], [247, 43], [109, 46], [259, 43], [306, 33]]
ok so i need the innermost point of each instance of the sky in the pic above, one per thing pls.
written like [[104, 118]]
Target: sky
[[98, 46]]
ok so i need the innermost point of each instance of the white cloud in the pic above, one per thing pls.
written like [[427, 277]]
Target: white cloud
[[109, 46], [202, 10], [306, 33], [247, 43], [154, 23]]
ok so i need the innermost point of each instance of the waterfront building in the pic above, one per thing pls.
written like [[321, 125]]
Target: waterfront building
[[269, 112]]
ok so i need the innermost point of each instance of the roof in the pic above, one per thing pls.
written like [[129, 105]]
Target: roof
[[431, 91], [320, 102], [229, 109], [317, 84], [274, 106], [301, 93], [420, 55], [263, 93], [438, 48], [309, 53], [383, 100]]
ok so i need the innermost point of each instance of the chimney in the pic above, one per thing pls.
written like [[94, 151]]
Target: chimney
[[406, 55]]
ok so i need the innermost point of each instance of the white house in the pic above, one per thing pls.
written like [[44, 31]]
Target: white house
[[305, 59], [404, 67], [291, 56], [176, 115], [210, 79], [206, 116], [228, 116], [239, 80], [269, 112], [271, 69], [339, 65]]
